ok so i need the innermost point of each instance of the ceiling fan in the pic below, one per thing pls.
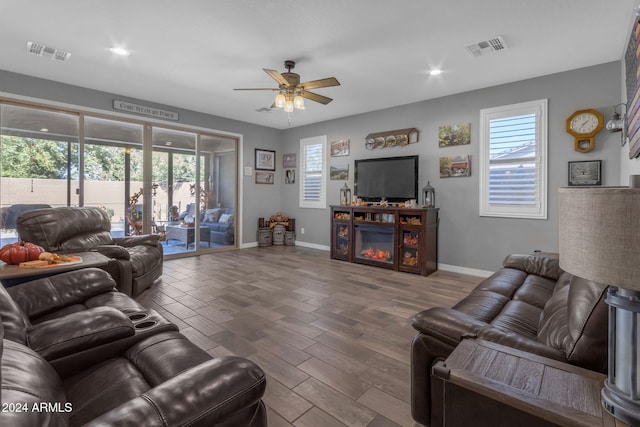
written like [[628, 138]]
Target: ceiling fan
[[291, 93]]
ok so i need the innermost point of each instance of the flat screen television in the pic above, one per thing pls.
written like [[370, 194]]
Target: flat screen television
[[394, 178]]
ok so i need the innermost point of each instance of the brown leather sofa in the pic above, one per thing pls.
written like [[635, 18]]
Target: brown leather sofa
[[74, 351], [135, 261], [530, 304]]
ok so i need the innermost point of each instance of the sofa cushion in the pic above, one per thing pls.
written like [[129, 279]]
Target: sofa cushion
[[225, 218], [574, 320], [103, 387], [27, 379], [212, 215], [518, 317], [144, 258], [66, 229]]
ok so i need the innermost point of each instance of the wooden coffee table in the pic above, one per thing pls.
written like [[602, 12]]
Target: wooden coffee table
[[11, 275]]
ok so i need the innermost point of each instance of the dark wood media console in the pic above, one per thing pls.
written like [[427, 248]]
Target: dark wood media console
[[401, 239]]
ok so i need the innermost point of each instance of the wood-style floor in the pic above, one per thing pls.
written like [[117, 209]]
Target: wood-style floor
[[333, 337]]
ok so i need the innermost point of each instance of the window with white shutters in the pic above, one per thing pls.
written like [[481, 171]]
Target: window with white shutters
[[513, 160], [313, 171]]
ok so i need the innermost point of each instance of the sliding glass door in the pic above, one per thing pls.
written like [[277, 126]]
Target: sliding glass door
[[113, 172], [53, 158], [39, 163]]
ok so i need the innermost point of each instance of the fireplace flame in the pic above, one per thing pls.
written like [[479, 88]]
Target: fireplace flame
[[377, 254]]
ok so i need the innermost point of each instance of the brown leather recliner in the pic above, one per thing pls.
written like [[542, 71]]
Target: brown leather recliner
[[531, 305], [135, 261], [73, 351]]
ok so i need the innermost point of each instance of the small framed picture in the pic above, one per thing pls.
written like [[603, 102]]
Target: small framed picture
[[265, 160], [263, 177], [289, 161], [340, 148], [585, 173], [290, 176]]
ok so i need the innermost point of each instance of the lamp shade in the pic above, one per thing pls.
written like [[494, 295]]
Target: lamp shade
[[599, 234]]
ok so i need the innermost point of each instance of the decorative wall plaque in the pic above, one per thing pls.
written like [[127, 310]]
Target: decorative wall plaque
[[393, 138]]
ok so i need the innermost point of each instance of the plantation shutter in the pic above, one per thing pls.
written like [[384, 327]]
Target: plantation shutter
[[513, 160], [312, 172], [313, 169]]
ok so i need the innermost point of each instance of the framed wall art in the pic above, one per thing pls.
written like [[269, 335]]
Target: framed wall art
[[585, 173], [451, 135], [339, 172], [289, 160], [265, 160], [340, 148], [264, 177], [454, 166], [290, 176], [632, 83]]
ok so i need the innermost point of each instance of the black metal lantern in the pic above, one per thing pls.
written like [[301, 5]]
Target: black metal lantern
[[428, 196], [345, 195]]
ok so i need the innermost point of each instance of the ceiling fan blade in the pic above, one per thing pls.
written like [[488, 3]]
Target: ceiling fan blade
[[315, 84], [258, 88], [315, 97], [277, 77]]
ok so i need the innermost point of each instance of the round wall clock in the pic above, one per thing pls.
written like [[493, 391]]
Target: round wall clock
[[583, 125]]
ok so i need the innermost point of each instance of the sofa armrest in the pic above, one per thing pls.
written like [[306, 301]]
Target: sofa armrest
[[207, 393], [113, 251], [447, 324], [43, 296], [79, 331], [534, 264], [145, 239], [521, 342]]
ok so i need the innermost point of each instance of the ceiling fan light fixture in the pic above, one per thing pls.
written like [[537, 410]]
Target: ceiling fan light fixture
[[288, 106], [280, 100], [298, 102]]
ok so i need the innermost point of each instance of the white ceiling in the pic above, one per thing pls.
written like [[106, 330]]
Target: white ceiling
[[193, 53]]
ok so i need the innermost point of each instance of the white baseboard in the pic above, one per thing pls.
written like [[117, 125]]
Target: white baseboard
[[464, 270], [443, 267], [298, 243], [313, 246]]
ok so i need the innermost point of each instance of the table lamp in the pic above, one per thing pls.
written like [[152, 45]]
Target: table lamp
[[599, 240]]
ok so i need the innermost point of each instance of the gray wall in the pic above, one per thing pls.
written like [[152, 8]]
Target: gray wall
[[466, 239]]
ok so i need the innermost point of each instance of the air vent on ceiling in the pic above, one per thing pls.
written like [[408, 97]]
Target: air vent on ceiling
[[40, 49], [487, 46]]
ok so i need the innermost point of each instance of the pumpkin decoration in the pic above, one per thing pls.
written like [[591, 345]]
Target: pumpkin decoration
[[15, 253]]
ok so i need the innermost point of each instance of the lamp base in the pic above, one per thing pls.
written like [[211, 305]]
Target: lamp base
[[620, 395], [622, 408]]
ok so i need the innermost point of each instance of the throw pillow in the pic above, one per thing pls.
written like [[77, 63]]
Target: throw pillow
[[225, 219], [212, 215]]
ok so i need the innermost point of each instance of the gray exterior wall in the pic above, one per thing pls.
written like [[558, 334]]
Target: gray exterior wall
[[466, 240]]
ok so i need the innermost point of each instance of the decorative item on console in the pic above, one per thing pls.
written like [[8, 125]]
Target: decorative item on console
[[345, 195], [394, 138], [428, 196]]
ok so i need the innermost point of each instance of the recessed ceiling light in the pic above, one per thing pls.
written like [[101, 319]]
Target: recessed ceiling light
[[435, 72], [120, 51]]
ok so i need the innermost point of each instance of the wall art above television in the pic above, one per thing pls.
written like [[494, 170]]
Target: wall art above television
[[392, 138]]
